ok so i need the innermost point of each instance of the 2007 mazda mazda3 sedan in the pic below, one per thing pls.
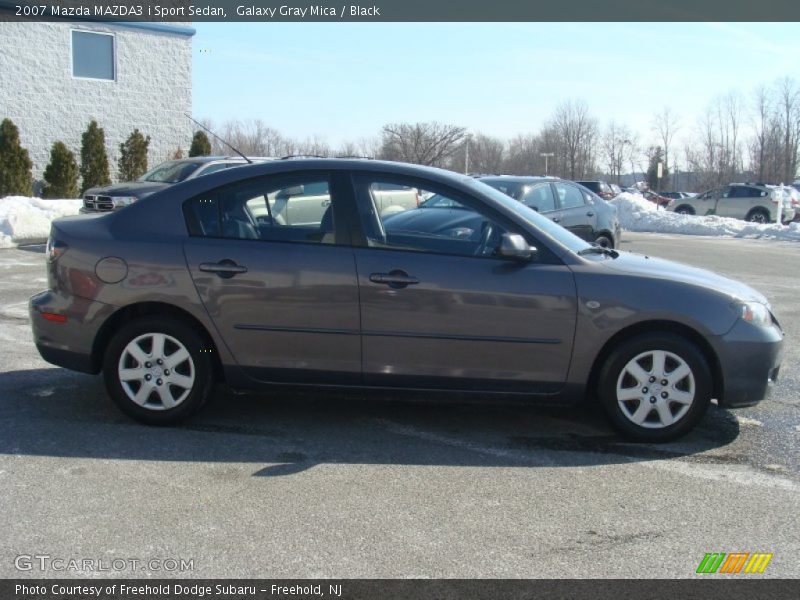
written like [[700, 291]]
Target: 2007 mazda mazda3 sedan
[[288, 273]]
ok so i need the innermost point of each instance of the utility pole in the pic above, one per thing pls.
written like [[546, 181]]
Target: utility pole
[[466, 154], [546, 155]]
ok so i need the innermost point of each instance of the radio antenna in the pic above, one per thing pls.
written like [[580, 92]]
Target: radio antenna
[[199, 124]]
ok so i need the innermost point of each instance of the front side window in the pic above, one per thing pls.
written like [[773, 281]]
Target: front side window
[[443, 224], [93, 55], [568, 196]]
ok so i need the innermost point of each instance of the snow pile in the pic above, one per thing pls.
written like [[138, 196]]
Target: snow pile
[[638, 214], [27, 220]]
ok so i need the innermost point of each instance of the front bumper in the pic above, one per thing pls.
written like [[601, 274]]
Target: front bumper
[[68, 343], [750, 359]]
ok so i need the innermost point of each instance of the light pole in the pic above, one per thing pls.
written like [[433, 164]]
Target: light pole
[[466, 154], [546, 155]]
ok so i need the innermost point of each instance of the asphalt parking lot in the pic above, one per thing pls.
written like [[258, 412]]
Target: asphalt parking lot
[[321, 485]]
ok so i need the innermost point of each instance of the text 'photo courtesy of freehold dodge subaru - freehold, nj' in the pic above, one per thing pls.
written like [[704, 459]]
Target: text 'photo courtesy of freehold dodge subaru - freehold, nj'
[[399, 299]]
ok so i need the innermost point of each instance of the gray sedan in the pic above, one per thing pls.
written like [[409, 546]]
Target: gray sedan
[[202, 283]]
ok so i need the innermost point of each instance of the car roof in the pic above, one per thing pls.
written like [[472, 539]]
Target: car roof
[[208, 159], [520, 178]]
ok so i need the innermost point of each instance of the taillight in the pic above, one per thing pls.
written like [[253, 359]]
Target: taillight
[[54, 317], [55, 249]]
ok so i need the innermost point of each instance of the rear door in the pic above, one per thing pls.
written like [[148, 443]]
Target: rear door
[[574, 212], [283, 296]]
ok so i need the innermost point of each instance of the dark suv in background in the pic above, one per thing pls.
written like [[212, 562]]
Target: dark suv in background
[[567, 203], [601, 188]]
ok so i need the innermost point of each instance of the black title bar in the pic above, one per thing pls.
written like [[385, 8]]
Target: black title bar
[[741, 588], [403, 10]]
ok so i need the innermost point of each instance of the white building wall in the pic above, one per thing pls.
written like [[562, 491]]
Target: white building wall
[[152, 90]]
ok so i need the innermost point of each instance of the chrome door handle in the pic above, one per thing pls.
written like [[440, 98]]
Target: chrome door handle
[[394, 279], [225, 268]]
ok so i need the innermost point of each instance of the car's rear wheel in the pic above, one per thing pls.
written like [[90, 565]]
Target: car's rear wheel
[[684, 210], [758, 215], [604, 241], [655, 387], [158, 370]]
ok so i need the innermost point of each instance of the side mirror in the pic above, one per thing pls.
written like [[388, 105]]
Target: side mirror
[[513, 245]]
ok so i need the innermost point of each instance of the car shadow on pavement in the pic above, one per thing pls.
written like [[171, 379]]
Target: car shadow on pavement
[[54, 412]]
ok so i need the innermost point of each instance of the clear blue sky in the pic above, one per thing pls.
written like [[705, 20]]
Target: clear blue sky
[[343, 81]]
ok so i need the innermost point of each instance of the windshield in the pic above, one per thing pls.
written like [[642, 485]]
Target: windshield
[[532, 217], [172, 171]]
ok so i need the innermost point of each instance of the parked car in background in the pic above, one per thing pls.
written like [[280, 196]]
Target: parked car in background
[[188, 287], [119, 195], [675, 195], [601, 188], [306, 205], [657, 199], [567, 203], [758, 203]]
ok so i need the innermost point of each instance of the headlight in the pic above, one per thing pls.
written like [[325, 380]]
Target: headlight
[[755, 313], [120, 201]]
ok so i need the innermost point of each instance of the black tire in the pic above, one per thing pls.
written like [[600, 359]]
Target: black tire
[[685, 210], [201, 363], [758, 215], [604, 241], [612, 371]]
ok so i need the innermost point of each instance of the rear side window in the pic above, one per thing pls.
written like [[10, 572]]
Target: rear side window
[[271, 209], [540, 198], [569, 196], [202, 216]]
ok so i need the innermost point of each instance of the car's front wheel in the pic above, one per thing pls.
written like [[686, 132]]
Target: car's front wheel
[[158, 370], [655, 387]]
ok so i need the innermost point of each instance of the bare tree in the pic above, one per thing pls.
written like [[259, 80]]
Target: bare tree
[[421, 143], [523, 155], [618, 146], [665, 126], [788, 117], [575, 131], [486, 155], [717, 154]]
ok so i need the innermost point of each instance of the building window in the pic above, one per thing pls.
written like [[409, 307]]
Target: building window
[[93, 55]]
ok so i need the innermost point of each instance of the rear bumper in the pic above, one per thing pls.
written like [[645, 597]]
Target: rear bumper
[[750, 359], [67, 343]]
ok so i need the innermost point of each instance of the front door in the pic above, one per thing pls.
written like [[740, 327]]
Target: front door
[[282, 295], [439, 308]]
